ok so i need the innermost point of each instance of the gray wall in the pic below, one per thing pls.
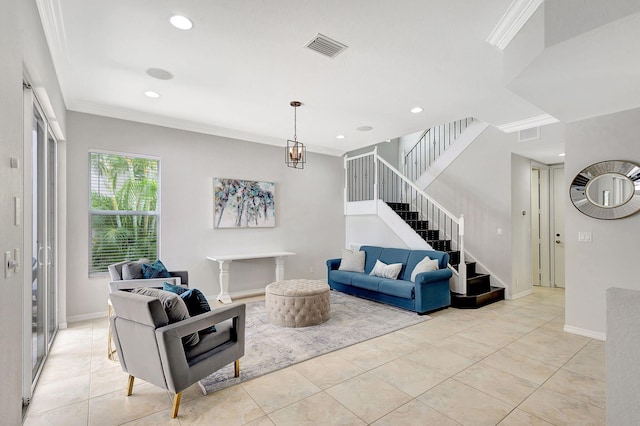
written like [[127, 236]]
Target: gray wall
[[611, 259], [478, 185], [23, 50], [10, 235], [623, 352], [309, 209]]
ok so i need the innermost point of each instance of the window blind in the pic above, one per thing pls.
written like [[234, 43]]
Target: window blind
[[124, 209]]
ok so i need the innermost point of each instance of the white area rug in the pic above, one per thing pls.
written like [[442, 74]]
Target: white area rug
[[269, 348]]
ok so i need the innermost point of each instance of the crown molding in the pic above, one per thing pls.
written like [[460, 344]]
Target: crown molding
[[512, 21], [180, 124], [53, 26], [527, 123]]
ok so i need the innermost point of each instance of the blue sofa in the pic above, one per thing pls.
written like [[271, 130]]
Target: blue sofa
[[430, 291]]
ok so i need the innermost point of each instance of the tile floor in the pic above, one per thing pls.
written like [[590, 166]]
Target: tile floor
[[509, 363]]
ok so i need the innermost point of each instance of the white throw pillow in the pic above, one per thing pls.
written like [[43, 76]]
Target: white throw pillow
[[386, 271], [352, 261], [425, 265]]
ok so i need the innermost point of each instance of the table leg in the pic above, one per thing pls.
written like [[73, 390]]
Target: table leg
[[224, 282], [279, 268]]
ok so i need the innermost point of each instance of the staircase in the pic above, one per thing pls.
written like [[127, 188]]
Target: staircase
[[479, 291]]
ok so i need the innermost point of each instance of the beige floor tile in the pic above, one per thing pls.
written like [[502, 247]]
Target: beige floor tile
[[279, 389], [520, 365], [368, 397], [590, 361], [465, 404], [107, 380], [496, 383], [328, 370], [367, 355], [409, 376], [559, 409], [117, 408], [441, 360], [61, 368], [48, 396], [465, 347], [156, 419], [578, 386], [521, 418], [318, 409], [396, 343], [70, 415], [262, 421], [230, 406], [494, 335], [415, 412], [549, 346], [427, 332]]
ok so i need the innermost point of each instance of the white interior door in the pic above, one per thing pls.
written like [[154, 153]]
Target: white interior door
[[559, 197]]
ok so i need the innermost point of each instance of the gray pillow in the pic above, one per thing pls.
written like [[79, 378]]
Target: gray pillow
[[352, 261], [132, 271], [175, 308]]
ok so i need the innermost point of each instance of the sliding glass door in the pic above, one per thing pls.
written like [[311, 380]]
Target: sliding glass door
[[40, 224]]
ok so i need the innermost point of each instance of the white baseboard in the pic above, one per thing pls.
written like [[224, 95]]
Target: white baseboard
[[586, 333], [87, 317], [521, 294]]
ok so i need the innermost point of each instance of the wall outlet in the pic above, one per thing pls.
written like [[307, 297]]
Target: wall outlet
[[499, 231], [311, 269]]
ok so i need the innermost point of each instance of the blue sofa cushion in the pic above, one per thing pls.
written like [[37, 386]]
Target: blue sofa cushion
[[395, 255], [398, 288], [372, 254], [415, 256], [343, 277], [368, 282]]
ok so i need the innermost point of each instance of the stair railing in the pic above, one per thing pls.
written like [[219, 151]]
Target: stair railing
[[369, 177], [432, 143]]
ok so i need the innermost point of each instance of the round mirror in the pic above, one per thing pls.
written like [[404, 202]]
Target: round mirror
[[607, 190]]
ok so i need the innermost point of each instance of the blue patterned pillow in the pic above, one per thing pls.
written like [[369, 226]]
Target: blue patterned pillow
[[155, 270], [177, 289]]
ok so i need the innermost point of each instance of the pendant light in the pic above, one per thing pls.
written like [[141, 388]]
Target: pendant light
[[295, 153]]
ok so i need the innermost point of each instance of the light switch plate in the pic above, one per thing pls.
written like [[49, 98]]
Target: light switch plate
[[584, 237]]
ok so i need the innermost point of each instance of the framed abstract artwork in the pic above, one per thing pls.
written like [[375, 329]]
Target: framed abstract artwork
[[243, 203]]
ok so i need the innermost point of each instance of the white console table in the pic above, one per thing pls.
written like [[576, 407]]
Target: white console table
[[225, 259]]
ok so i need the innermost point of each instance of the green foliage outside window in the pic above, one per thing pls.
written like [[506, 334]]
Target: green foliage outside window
[[124, 209]]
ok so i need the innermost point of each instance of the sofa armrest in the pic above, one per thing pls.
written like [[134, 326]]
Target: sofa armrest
[[152, 282], [183, 328], [333, 264], [432, 276]]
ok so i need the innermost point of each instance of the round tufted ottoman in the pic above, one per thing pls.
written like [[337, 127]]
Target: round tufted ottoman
[[297, 303]]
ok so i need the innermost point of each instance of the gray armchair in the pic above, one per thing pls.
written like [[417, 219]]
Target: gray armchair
[[151, 349], [119, 283]]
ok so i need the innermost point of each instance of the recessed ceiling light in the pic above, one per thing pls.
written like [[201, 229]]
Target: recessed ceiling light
[[340, 137], [562, 155], [159, 73], [416, 110], [152, 94], [364, 128], [181, 22]]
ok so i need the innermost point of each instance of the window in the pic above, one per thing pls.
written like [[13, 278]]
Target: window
[[124, 209]]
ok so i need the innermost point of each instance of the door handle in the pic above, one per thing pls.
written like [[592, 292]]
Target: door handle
[[558, 241]]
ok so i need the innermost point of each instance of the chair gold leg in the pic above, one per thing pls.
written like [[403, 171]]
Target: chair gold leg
[[176, 405], [130, 385], [236, 365]]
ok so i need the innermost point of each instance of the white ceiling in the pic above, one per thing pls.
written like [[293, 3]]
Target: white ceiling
[[237, 70]]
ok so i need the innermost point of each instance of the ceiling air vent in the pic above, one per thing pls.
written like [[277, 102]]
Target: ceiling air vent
[[529, 134], [326, 46]]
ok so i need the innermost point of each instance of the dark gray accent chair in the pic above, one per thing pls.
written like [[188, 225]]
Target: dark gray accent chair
[[151, 349]]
